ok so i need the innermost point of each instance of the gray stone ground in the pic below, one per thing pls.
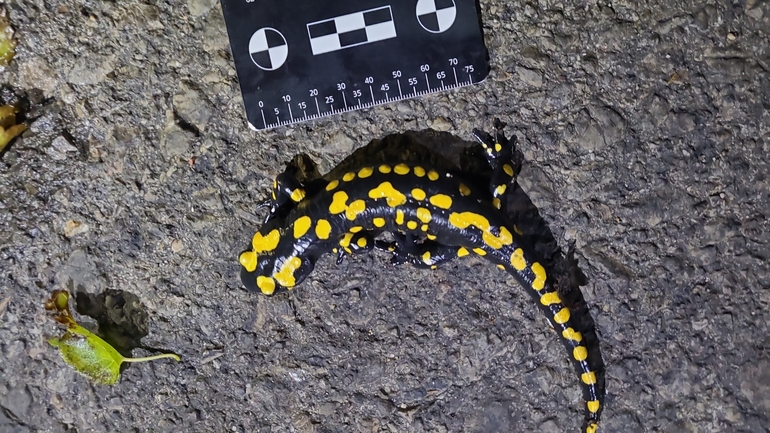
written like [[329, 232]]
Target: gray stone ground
[[645, 129]]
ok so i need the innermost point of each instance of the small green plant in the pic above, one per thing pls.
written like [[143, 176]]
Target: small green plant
[[85, 351]]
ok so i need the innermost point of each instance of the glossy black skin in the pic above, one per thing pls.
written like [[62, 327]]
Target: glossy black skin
[[410, 245]]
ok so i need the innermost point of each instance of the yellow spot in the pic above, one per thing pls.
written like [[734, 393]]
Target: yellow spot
[[431, 237], [588, 378], [508, 169], [266, 243], [500, 190], [497, 242], [465, 219], [464, 190], [423, 215], [345, 241], [349, 176], [441, 200], [593, 406], [424, 227], [331, 185], [426, 257], [418, 194], [272, 194], [365, 172], [550, 298], [539, 272], [501, 267], [591, 428], [517, 230], [517, 260], [433, 175], [384, 169], [297, 195], [419, 171], [498, 147], [355, 229], [385, 190], [379, 222], [248, 260], [562, 316], [399, 217], [323, 229], [411, 225], [496, 203], [339, 203], [571, 334], [433, 266], [462, 252], [285, 276], [355, 208], [480, 251], [335, 250], [361, 242], [301, 226], [266, 285], [580, 353], [401, 169]]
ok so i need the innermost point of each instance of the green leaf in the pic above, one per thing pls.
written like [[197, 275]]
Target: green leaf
[[85, 351]]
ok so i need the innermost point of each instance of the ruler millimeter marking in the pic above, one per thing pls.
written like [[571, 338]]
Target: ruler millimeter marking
[[309, 59]]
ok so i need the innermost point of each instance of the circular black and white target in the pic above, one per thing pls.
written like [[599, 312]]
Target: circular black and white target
[[436, 16], [268, 48]]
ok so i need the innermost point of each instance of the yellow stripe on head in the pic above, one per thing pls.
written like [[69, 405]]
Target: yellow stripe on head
[[248, 260]]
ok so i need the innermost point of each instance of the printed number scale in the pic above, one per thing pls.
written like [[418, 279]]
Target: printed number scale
[[298, 61]]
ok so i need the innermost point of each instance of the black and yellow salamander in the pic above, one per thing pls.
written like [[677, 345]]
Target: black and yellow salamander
[[434, 215]]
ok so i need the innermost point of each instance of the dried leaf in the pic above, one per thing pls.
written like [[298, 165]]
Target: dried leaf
[[8, 127], [7, 44]]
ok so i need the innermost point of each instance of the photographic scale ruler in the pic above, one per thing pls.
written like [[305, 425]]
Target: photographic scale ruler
[[304, 59]]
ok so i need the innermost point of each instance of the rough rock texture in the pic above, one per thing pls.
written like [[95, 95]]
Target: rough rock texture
[[645, 129]]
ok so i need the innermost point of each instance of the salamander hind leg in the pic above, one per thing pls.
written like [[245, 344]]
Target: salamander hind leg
[[425, 255], [354, 243]]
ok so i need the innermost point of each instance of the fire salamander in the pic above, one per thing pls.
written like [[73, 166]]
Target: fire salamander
[[434, 215]]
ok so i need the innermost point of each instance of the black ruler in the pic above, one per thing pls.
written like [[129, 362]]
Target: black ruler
[[300, 60]]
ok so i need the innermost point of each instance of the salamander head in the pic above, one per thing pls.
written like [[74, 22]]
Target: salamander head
[[263, 267], [256, 272]]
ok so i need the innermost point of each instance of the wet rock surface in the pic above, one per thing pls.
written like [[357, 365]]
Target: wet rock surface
[[645, 133]]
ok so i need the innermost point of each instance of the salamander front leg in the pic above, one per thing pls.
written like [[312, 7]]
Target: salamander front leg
[[499, 153], [287, 190]]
